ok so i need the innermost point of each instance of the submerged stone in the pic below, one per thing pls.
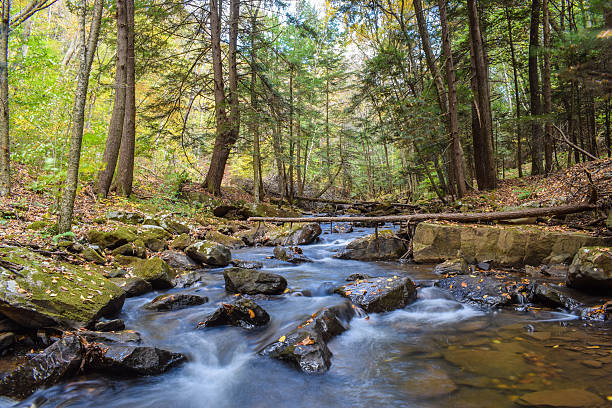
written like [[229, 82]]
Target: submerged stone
[[432, 383], [489, 363], [376, 295], [39, 292], [563, 398]]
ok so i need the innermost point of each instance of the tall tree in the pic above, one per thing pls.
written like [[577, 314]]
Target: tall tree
[[547, 89], [6, 26], [115, 128], [125, 167], [88, 50], [482, 131], [519, 153], [227, 127], [534, 90]]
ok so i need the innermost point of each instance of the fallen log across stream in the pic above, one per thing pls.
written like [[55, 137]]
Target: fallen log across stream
[[458, 217]]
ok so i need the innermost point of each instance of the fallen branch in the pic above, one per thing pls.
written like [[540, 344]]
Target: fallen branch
[[566, 140], [458, 217]]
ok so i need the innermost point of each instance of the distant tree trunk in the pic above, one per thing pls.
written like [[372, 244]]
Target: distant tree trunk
[[546, 89], [115, 128], [327, 141], [254, 123], [227, 127], [484, 156], [519, 153], [607, 102], [5, 153], [125, 168], [291, 139], [534, 90], [64, 222], [458, 163]]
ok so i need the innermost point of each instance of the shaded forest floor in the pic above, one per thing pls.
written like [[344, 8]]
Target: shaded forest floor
[[28, 215]]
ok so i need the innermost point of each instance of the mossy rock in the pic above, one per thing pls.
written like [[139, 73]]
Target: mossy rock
[[136, 248], [91, 255], [228, 241], [181, 242], [154, 238], [294, 234], [126, 217], [591, 270], [155, 271], [38, 225], [111, 239], [127, 260], [210, 253], [40, 292]]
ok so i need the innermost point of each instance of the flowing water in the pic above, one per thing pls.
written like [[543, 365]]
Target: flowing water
[[434, 353]]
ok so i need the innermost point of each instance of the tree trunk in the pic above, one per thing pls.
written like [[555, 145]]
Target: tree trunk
[[257, 187], [64, 221], [484, 157], [125, 168], [227, 127], [458, 162], [5, 152], [115, 129], [534, 90], [546, 89], [291, 139], [519, 153]]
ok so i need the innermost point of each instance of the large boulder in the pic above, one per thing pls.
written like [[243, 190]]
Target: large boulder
[[504, 245], [155, 238], [57, 362], [39, 292], [254, 235], [176, 301], [210, 253], [305, 347], [155, 271], [179, 260], [133, 286], [386, 247], [136, 249], [591, 270], [296, 234], [243, 313], [181, 242], [111, 239], [228, 241], [253, 282], [232, 212], [290, 254], [377, 295]]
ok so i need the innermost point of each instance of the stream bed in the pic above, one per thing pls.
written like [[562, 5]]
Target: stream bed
[[435, 352]]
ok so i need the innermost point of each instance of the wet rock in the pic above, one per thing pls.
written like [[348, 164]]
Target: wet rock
[[563, 398], [484, 291], [155, 271], [254, 235], [7, 325], [110, 325], [57, 362], [246, 264], [111, 239], [484, 266], [187, 279], [90, 254], [591, 270], [557, 296], [181, 242], [243, 313], [296, 234], [343, 229], [456, 266], [155, 238], [228, 241], [433, 383], [489, 363], [133, 286], [356, 276], [39, 292], [306, 346], [209, 253], [179, 260], [378, 295], [592, 363], [126, 217], [136, 249], [175, 302], [388, 247], [290, 254], [6, 340], [504, 245], [252, 282], [123, 336]]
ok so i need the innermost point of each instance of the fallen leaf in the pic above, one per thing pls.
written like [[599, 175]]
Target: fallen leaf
[[306, 341], [282, 339], [251, 313], [463, 285]]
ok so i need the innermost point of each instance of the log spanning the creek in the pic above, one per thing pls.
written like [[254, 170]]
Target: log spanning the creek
[[458, 217]]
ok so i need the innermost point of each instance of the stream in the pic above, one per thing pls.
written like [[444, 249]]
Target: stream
[[434, 353]]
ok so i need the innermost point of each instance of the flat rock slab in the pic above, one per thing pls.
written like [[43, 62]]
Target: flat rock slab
[[433, 383], [253, 282], [37, 292], [480, 290], [489, 363], [380, 294], [566, 398]]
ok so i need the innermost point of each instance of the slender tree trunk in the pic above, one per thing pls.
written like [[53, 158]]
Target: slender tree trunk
[[327, 141], [125, 168], [519, 153], [88, 50], [546, 89], [115, 129], [5, 147], [291, 140], [484, 156], [257, 187], [227, 127], [457, 161], [608, 127], [534, 90]]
